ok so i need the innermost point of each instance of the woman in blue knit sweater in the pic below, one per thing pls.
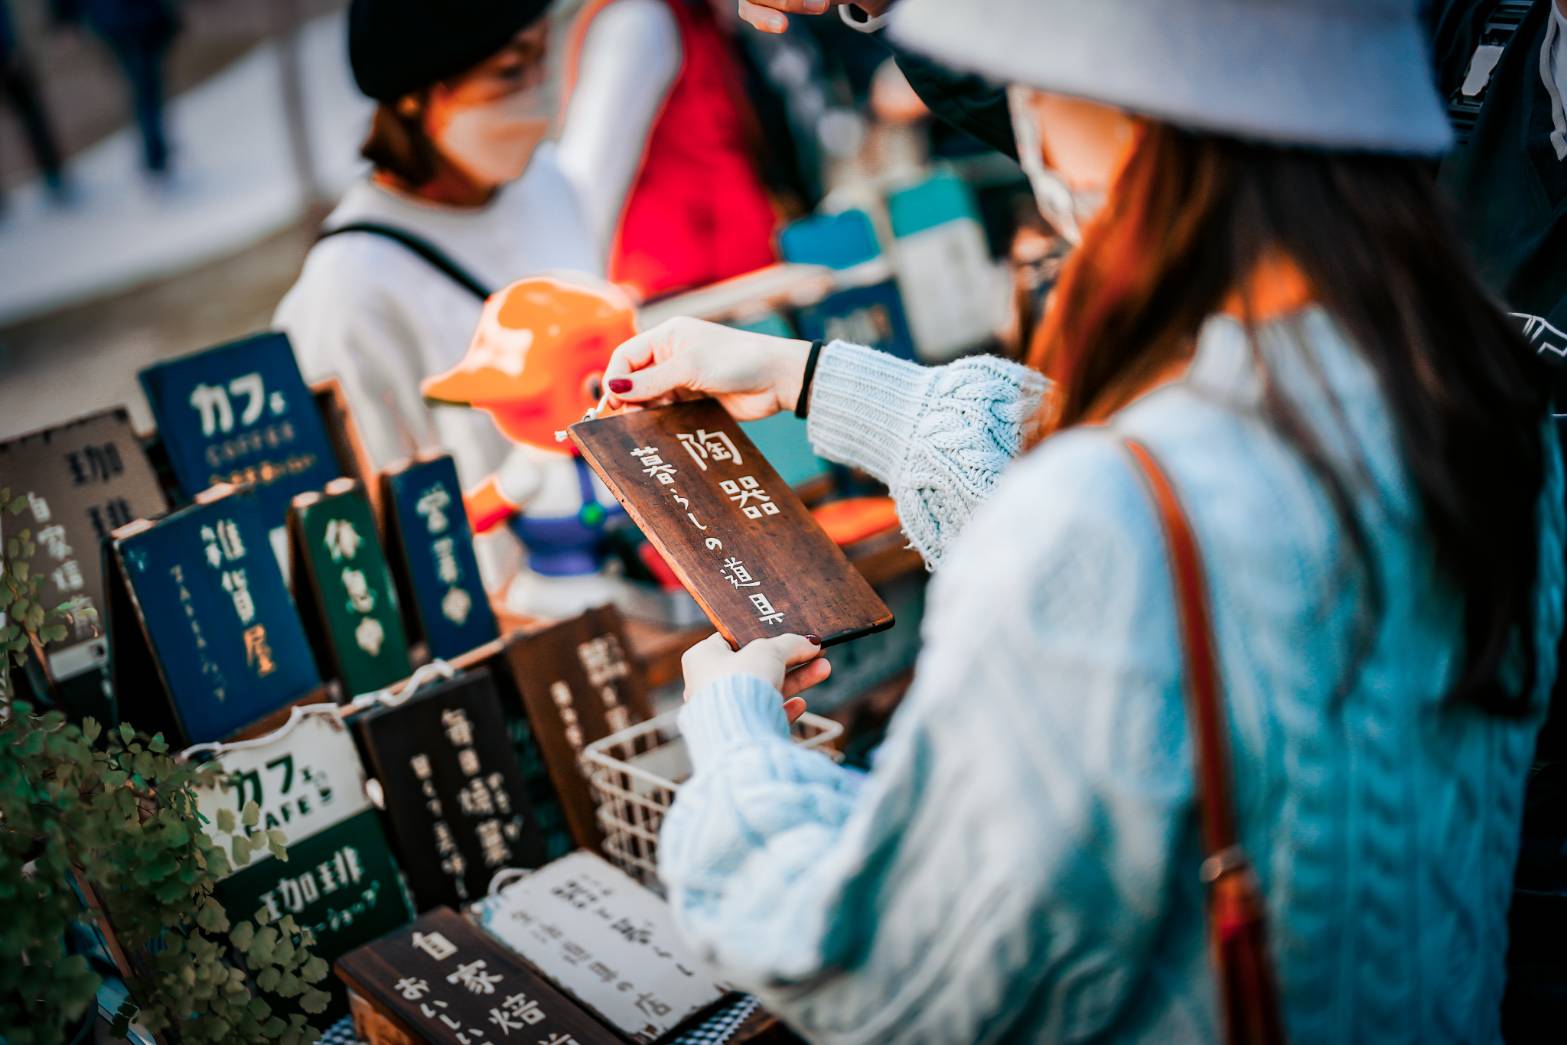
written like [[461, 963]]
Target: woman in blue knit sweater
[[1269, 299]]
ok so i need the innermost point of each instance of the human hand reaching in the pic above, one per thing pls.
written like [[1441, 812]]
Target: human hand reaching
[[751, 375], [771, 16]]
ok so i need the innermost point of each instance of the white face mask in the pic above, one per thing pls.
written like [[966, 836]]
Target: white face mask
[[1066, 209], [493, 142]]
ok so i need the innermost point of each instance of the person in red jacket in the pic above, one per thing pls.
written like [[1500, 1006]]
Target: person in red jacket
[[657, 110]]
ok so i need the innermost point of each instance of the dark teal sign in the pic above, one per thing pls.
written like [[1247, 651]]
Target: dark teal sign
[[429, 535], [241, 413], [207, 596]]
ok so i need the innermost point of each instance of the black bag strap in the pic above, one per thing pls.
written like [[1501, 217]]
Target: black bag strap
[[432, 254], [1497, 31]]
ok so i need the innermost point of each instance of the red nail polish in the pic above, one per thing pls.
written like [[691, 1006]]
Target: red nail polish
[[815, 640], [620, 385]]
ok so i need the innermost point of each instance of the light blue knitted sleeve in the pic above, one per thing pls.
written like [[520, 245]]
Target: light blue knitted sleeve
[[1035, 780], [939, 437]]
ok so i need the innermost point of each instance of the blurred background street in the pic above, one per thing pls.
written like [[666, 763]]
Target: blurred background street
[[123, 268]]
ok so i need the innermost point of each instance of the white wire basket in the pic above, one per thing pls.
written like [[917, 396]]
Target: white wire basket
[[635, 773]]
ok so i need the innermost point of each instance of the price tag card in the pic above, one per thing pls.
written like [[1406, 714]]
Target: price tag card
[[204, 636], [81, 481], [739, 538], [445, 981], [345, 588], [429, 538], [306, 780], [578, 686], [605, 940], [240, 413], [455, 799]]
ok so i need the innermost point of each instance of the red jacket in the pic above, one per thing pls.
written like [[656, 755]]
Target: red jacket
[[697, 211]]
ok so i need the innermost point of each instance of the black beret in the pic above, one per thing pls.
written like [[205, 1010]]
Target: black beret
[[399, 46]]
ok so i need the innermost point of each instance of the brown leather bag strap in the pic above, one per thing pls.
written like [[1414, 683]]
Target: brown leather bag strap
[[1204, 704], [1243, 968]]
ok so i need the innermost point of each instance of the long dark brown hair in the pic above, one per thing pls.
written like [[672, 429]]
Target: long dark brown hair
[[1193, 216]]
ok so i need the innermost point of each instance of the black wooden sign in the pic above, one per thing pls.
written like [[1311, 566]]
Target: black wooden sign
[[739, 538], [455, 800], [442, 980], [578, 685]]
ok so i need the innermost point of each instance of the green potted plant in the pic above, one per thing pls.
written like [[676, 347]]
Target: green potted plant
[[110, 816]]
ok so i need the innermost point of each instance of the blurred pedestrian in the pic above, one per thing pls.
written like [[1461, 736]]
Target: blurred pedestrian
[[465, 196], [139, 34], [658, 120], [20, 88]]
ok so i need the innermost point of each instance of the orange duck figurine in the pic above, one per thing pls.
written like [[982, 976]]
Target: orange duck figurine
[[534, 366]]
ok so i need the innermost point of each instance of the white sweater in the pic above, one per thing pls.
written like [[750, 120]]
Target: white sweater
[[382, 319]]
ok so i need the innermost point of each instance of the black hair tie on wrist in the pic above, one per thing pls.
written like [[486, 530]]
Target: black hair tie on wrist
[[802, 404]]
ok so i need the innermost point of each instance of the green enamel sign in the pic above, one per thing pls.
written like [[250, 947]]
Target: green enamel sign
[[339, 561]]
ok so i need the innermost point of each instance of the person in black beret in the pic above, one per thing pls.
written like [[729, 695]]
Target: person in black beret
[[465, 195]]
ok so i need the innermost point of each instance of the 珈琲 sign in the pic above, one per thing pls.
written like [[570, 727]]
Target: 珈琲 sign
[[81, 481], [305, 780]]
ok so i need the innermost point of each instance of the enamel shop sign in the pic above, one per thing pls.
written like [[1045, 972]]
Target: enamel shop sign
[[306, 781], [204, 637], [80, 481], [429, 538], [346, 590], [240, 413]]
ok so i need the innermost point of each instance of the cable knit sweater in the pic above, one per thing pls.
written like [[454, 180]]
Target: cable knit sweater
[[1021, 864]]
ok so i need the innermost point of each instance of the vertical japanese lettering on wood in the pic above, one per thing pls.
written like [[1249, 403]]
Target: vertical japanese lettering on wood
[[345, 589], [428, 537], [204, 637], [738, 537], [578, 686], [81, 481], [455, 800], [442, 980]]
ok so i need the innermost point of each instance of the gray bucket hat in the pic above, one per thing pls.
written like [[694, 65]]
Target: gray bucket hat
[[1341, 74]]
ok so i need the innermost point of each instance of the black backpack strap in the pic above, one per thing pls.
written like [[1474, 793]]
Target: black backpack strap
[[1496, 32], [432, 254]]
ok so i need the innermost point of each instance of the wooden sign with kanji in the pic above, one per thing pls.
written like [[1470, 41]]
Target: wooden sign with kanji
[[738, 537], [579, 685], [443, 980], [80, 480]]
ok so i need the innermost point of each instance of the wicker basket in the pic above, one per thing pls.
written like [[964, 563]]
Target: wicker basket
[[635, 774]]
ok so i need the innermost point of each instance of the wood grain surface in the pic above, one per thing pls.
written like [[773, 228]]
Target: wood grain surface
[[738, 537]]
